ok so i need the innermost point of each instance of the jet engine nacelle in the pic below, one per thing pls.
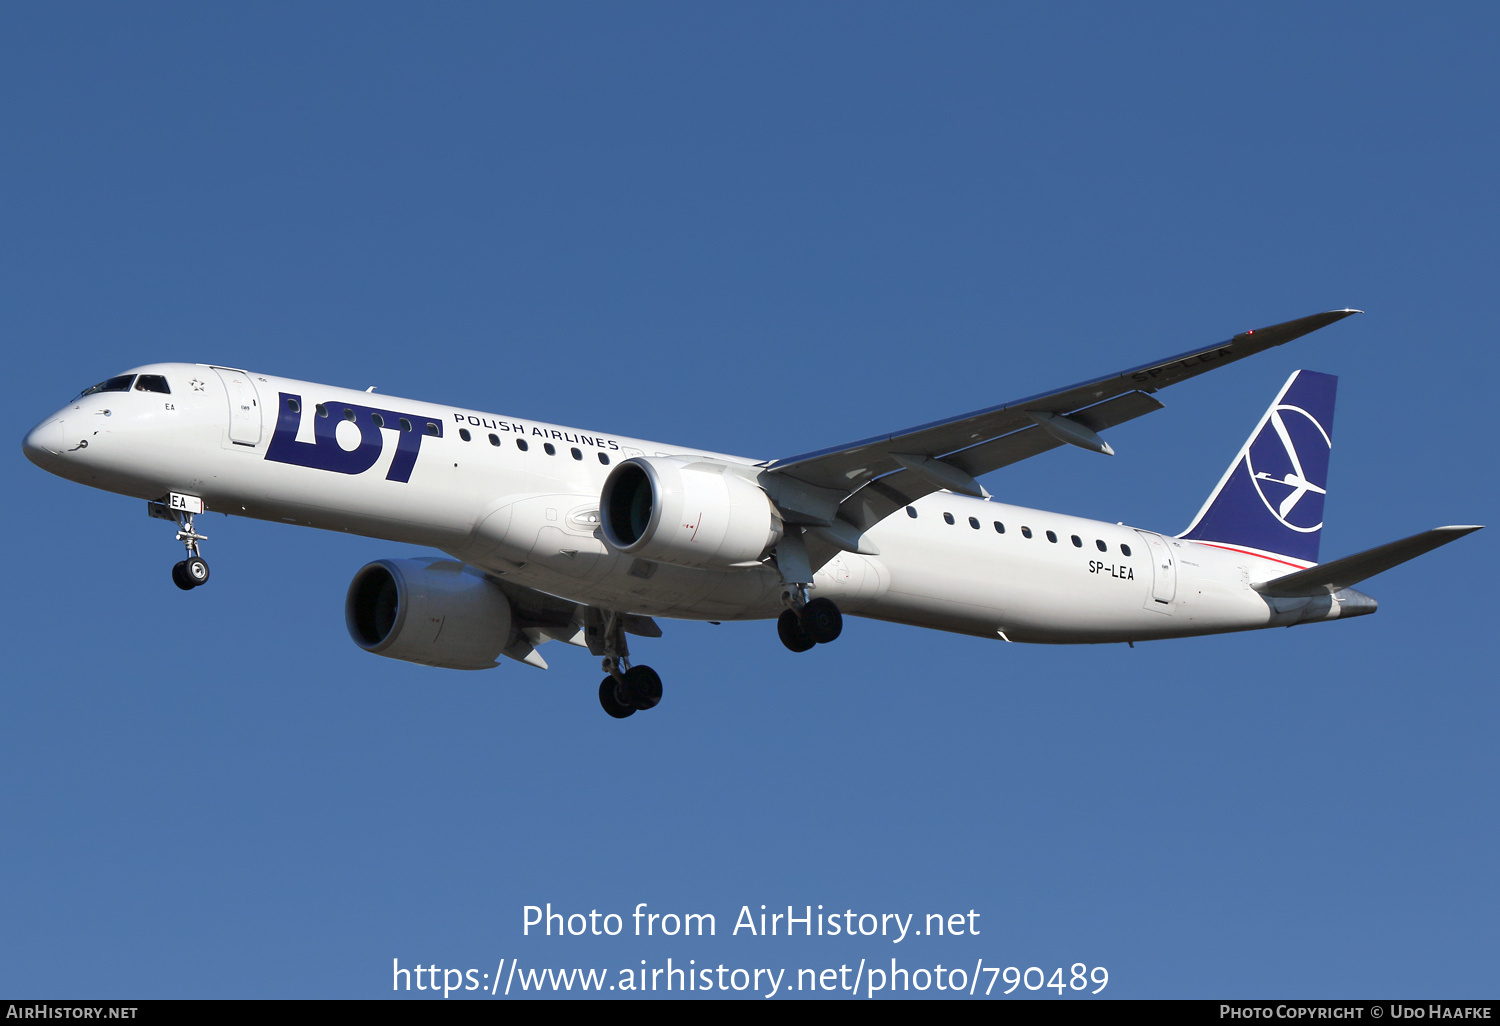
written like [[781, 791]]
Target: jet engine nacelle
[[688, 512], [428, 611]]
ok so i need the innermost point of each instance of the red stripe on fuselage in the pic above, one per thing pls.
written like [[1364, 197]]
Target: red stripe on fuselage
[[1231, 548]]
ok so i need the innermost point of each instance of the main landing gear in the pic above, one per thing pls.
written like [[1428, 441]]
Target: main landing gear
[[627, 689], [636, 688], [804, 623]]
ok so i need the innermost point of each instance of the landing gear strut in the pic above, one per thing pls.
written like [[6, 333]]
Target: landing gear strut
[[805, 623], [628, 688]]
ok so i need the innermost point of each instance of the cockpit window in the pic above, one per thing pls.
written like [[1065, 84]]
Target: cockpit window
[[119, 383], [152, 383]]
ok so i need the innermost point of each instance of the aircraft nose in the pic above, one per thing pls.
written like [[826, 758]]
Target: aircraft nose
[[44, 443]]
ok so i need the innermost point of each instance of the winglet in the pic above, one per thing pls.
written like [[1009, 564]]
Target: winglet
[[1286, 331]]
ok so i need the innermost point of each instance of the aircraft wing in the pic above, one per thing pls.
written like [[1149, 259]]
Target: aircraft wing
[[539, 617], [871, 478]]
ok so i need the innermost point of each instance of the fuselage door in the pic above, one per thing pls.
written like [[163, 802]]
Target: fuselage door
[[1163, 572], [244, 406]]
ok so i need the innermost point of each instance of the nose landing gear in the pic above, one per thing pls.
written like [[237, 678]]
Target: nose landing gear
[[192, 571]]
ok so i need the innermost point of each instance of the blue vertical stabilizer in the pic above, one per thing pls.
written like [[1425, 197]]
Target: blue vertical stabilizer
[[1271, 497]]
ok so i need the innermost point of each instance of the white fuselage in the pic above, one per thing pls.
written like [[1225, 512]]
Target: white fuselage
[[531, 516]]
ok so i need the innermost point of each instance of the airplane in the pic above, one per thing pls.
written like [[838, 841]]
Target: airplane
[[552, 533]]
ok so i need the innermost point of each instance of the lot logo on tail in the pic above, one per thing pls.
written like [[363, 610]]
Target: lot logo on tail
[[1271, 497], [1290, 463], [325, 453]]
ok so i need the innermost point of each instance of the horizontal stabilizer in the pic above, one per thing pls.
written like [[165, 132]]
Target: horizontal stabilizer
[[1326, 578]]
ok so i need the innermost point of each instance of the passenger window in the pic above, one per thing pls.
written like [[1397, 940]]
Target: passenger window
[[320, 410], [604, 458], [433, 429], [550, 449], [294, 406], [999, 527], [119, 383], [1077, 542], [576, 454], [464, 434], [1125, 550], [948, 517], [1100, 543], [974, 523], [521, 444], [405, 424], [377, 420], [152, 383], [1052, 537], [494, 439], [1025, 532], [911, 511], [348, 414]]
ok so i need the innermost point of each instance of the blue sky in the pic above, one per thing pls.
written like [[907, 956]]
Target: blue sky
[[759, 229]]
